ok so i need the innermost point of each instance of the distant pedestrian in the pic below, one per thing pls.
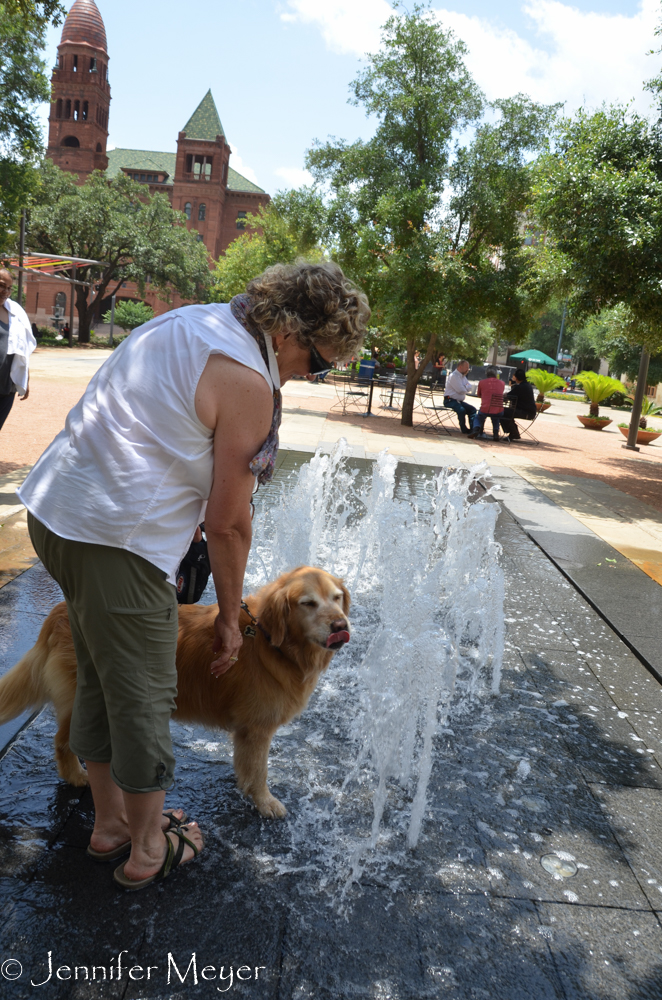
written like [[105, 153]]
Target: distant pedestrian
[[490, 390], [457, 387], [439, 373], [16, 345]]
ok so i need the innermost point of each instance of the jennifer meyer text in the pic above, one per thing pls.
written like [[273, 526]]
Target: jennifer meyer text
[[190, 971]]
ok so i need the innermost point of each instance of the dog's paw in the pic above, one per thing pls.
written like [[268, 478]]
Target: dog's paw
[[75, 776], [271, 808]]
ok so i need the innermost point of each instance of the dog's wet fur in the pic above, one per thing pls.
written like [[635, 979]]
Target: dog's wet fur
[[277, 671]]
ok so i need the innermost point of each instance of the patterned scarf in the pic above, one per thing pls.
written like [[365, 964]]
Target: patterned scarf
[[262, 466]]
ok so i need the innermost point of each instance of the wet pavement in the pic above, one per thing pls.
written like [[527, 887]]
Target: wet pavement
[[566, 761]]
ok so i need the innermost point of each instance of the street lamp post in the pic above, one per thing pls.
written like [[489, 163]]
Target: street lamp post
[[71, 305], [112, 319]]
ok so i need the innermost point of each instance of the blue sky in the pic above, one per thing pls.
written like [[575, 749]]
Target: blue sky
[[279, 71]]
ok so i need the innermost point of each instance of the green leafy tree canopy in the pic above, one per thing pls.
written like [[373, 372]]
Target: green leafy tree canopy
[[291, 226], [135, 236], [129, 315], [598, 196], [23, 86], [431, 235]]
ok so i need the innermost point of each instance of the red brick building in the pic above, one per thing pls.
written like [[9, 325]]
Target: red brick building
[[197, 178]]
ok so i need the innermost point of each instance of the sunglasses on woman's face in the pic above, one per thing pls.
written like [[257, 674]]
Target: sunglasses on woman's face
[[318, 364]]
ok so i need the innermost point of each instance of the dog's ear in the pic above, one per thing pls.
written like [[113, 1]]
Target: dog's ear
[[346, 599], [275, 614]]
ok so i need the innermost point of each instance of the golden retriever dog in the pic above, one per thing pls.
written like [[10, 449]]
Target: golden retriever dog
[[290, 635]]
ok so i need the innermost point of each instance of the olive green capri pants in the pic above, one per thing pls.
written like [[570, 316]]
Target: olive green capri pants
[[123, 618]]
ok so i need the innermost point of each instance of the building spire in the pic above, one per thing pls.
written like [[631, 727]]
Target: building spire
[[205, 123]]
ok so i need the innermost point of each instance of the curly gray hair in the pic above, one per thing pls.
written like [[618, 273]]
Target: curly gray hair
[[315, 302]]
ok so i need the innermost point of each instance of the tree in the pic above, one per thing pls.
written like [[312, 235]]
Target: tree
[[23, 85], [598, 195], [544, 382], [289, 227], [598, 388], [137, 237], [129, 315], [431, 237], [37, 11]]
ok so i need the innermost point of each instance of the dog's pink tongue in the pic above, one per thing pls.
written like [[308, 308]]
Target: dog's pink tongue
[[337, 637]]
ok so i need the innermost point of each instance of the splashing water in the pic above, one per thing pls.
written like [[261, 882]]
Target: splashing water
[[427, 591]]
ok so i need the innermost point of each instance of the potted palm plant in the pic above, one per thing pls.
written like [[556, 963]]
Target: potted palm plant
[[648, 409], [544, 382], [597, 388]]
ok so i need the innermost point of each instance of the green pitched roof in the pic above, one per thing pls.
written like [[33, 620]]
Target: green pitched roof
[[204, 123], [238, 183], [147, 160], [141, 159]]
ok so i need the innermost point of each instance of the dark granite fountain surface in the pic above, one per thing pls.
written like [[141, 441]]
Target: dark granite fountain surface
[[566, 761]]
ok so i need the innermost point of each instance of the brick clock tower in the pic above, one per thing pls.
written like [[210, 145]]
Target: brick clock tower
[[78, 122]]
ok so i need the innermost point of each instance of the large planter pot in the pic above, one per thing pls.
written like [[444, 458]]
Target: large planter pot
[[541, 407], [643, 437], [593, 423]]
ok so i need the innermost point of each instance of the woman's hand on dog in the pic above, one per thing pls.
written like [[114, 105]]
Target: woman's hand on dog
[[227, 643]]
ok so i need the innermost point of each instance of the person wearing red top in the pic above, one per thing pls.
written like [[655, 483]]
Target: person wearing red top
[[490, 389]]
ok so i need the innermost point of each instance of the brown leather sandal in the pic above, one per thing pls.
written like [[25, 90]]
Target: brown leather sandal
[[172, 860], [118, 852]]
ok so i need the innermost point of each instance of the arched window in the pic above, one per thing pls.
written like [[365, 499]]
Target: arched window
[[85, 110], [58, 108], [76, 110], [67, 109], [202, 211], [187, 209], [99, 149], [71, 140], [93, 64]]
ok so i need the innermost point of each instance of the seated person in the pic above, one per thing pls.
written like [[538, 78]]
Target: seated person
[[457, 386], [522, 401], [490, 390]]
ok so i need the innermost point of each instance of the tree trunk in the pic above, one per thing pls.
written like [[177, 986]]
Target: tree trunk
[[540, 398], [84, 314], [594, 410], [413, 377]]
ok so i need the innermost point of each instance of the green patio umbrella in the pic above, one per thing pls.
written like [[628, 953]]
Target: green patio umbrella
[[539, 356]]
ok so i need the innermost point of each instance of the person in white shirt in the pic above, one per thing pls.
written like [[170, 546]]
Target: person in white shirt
[[174, 428], [16, 345], [457, 387]]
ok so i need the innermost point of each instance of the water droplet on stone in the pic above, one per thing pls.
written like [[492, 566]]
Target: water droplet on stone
[[555, 865]]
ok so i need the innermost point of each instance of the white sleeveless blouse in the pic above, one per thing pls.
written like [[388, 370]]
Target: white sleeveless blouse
[[133, 467]]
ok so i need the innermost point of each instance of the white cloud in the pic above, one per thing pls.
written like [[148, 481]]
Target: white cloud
[[238, 164], [583, 57], [294, 176], [347, 25]]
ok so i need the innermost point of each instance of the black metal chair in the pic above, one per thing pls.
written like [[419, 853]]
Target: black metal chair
[[527, 430], [508, 411], [352, 392], [430, 402], [391, 390]]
